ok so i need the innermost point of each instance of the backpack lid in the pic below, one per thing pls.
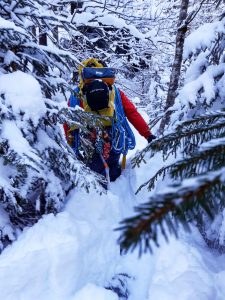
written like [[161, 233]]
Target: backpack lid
[[96, 95], [98, 73]]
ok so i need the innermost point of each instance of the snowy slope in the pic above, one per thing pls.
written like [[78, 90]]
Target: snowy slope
[[61, 254], [75, 255]]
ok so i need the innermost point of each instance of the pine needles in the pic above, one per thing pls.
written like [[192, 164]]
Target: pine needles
[[180, 205]]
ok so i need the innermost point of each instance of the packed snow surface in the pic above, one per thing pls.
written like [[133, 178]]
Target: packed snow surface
[[75, 256]]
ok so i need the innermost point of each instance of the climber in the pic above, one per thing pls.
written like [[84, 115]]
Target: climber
[[97, 94]]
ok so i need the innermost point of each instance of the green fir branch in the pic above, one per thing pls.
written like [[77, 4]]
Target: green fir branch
[[189, 138], [180, 205], [80, 118], [205, 160], [205, 119]]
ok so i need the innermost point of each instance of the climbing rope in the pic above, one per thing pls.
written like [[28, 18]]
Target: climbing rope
[[123, 138]]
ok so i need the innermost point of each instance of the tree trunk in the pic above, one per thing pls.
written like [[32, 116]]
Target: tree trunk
[[76, 5], [175, 73], [43, 69], [56, 34], [42, 37]]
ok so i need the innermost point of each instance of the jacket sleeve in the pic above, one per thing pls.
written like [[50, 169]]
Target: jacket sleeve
[[134, 117]]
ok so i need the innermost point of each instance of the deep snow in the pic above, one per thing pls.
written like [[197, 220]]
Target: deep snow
[[75, 256]]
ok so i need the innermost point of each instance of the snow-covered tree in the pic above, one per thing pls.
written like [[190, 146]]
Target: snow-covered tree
[[113, 31], [23, 25], [38, 169], [196, 143]]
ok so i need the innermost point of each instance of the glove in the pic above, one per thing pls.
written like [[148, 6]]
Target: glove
[[151, 138]]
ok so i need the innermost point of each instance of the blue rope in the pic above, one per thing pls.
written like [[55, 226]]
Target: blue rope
[[123, 138]]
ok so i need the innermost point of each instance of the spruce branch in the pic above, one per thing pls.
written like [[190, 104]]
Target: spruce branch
[[209, 159], [208, 118], [180, 205], [189, 135], [80, 118]]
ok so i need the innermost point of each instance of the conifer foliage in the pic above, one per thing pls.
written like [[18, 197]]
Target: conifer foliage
[[38, 169], [198, 181], [22, 23], [197, 145]]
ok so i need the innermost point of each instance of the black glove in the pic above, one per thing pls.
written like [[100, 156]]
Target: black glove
[[151, 138]]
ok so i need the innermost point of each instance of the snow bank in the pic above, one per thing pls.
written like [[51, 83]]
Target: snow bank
[[22, 92], [68, 256], [186, 268], [91, 291]]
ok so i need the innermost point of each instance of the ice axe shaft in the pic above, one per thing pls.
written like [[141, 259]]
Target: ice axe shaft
[[124, 160]]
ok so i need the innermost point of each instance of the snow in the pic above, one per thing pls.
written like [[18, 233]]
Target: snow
[[83, 18], [5, 24], [19, 145], [90, 19], [189, 94], [19, 88], [74, 255], [10, 57], [212, 143], [202, 37], [120, 23], [181, 270], [65, 252], [91, 291]]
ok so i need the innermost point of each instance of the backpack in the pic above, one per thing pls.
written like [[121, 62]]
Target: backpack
[[97, 88], [97, 81]]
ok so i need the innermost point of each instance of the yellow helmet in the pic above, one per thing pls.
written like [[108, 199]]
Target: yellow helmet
[[90, 62]]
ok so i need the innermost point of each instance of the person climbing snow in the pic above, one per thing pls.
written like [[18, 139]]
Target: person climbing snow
[[97, 94]]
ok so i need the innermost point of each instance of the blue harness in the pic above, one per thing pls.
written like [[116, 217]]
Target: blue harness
[[123, 138]]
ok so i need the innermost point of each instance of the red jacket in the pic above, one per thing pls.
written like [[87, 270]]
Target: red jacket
[[132, 115]]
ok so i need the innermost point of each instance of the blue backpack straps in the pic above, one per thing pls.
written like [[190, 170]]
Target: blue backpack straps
[[73, 102], [123, 138]]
